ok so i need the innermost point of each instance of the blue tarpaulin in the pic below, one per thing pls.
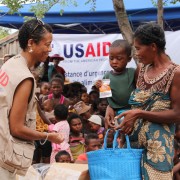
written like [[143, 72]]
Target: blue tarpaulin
[[81, 19]]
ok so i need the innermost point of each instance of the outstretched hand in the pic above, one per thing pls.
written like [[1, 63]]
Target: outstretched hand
[[55, 138], [127, 124]]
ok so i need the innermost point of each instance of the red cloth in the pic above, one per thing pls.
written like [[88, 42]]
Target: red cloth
[[61, 100], [60, 70], [82, 157]]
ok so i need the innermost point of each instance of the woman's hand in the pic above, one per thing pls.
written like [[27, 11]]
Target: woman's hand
[[55, 137], [127, 124], [109, 118]]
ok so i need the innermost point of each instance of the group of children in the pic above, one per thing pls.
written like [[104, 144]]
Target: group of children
[[78, 115], [69, 117]]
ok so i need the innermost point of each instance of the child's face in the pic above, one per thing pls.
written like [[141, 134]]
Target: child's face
[[64, 159], [94, 127], [76, 125], [94, 144], [85, 97], [93, 97], [56, 88], [118, 58], [102, 106], [45, 88]]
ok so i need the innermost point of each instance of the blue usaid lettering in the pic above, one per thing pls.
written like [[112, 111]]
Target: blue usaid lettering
[[92, 50]]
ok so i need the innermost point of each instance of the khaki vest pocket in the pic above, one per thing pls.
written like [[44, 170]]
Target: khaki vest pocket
[[18, 154]]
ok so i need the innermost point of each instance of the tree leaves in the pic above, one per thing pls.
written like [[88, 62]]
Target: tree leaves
[[42, 7]]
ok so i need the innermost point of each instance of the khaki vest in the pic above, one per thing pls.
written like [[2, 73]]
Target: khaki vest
[[15, 154]]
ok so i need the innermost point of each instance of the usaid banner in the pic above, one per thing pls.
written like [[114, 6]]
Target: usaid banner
[[86, 55]]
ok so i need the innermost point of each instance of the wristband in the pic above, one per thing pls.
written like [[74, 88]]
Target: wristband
[[42, 143]]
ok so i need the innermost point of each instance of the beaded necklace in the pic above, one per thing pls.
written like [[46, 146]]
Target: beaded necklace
[[157, 78], [160, 83]]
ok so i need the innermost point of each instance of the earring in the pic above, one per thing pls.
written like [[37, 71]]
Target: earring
[[30, 50]]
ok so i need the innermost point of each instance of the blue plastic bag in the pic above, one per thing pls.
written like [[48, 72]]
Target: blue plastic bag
[[115, 163]]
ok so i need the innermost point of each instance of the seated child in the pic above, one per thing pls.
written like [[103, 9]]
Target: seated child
[[61, 127], [63, 157], [92, 143], [95, 123], [76, 138]]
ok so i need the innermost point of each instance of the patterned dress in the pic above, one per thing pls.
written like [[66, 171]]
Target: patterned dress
[[156, 139]]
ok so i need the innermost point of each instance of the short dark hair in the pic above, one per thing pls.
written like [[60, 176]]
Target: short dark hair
[[61, 153], [89, 137], [43, 82], [32, 30], [57, 79], [59, 75], [73, 116], [94, 92], [61, 112], [124, 44], [151, 33]]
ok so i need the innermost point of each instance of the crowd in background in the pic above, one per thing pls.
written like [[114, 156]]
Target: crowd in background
[[66, 107], [79, 117]]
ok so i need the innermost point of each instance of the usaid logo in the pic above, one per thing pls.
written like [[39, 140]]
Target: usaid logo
[[91, 50]]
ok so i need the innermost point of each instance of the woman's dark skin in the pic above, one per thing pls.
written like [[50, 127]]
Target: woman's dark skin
[[149, 54]]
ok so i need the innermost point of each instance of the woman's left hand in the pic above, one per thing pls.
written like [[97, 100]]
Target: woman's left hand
[[127, 124]]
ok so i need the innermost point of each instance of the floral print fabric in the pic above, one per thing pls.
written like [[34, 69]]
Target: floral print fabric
[[156, 139]]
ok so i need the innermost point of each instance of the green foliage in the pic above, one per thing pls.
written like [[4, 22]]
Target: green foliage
[[42, 7], [93, 4], [13, 4], [4, 32], [174, 1], [154, 2]]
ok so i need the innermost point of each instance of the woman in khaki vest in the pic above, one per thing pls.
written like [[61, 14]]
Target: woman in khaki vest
[[17, 107]]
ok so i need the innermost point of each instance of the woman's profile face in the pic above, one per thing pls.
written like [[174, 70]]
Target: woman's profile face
[[144, 53], [42, 48]]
